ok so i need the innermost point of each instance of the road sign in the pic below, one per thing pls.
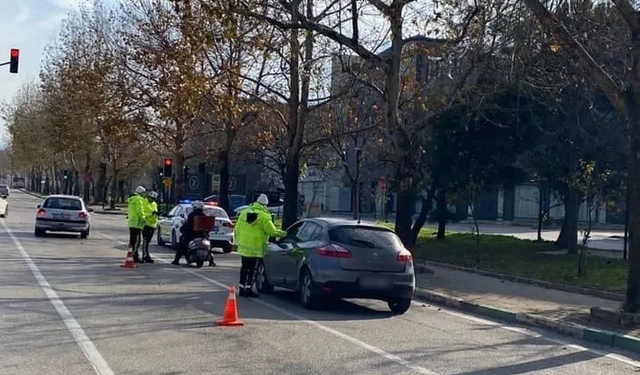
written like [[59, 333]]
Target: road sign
[[194, 183], [215, 186], [166, 182], [232, 183]]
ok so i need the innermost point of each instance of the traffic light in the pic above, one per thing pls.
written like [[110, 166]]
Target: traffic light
[[13, 62], [160, 172], [202, 168], [65, 174], [168, 164], [186, 171]]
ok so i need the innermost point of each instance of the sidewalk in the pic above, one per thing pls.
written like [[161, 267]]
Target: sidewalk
[[563, 312]]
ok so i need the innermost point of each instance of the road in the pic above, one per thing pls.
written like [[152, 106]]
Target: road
[[67, 308]]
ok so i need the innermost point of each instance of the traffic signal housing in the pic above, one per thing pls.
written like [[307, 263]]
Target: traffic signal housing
[[13, 62], [168, 167]]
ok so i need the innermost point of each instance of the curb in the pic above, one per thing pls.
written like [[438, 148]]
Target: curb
[[545, 284], [101, 212], [613, 339]]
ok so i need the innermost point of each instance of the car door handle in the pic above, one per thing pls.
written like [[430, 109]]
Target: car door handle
[[284, 252]]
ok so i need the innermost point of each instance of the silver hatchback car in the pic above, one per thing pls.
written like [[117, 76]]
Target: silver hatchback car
[[323, 257], [63, 213]]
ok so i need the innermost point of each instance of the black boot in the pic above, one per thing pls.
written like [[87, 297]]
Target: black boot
[[136, 258], [147, 259], [242, 292]]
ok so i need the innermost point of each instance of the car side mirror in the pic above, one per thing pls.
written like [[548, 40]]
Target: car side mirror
[[90, 209], [38, 206], [182, 216], [4, 197]]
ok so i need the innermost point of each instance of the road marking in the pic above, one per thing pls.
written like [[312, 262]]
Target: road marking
[[88, 348], [521, 330], [353, 340], [529, 332]]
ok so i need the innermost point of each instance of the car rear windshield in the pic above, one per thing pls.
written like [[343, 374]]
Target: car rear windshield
[[63, 204], [375, 238], [211, 211]]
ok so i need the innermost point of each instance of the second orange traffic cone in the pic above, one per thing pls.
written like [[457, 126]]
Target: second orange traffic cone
[[129, 263], [230, 318]]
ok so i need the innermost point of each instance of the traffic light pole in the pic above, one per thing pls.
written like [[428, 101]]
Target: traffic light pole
[[5, 63]]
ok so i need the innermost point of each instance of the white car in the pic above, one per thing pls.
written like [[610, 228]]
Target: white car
[[4, 207], [63, 213], [169, 226]]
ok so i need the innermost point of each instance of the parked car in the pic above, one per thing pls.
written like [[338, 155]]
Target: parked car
[[325, 257], [235, 201], [221, 236], [63, 213], [4, 207], [4, 190]]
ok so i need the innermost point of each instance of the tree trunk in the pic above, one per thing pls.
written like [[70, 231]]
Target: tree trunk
[[442, 214], [114, 185], [291, 177], [632, 303], [223, 194], [101, 185], [178, 172], [568, 238], [87, 182]]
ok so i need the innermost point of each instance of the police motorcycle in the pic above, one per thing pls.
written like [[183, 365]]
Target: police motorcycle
[[199, 248]]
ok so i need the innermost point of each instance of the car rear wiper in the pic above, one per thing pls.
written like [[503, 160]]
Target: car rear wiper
[[363, 242]]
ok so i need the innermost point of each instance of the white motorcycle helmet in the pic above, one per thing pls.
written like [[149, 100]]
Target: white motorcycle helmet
[[153, 194], [197, 204], [140, 189]]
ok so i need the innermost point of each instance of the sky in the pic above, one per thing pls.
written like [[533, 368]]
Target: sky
[[28, 25]]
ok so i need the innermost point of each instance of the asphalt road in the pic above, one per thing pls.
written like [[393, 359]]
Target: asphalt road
[[66, 307]]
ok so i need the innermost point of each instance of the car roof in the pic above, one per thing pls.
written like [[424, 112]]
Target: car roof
[[338, 222], [64, 196]]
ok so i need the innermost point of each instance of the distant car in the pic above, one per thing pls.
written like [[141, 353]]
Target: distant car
[[235, 201], [4, 207], [169, 225], [324, 257], [274, 210], [4, 190], [63, 213]]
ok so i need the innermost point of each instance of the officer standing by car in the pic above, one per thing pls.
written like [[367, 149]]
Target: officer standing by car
[[252, 232], [135, 213], [151, 215]]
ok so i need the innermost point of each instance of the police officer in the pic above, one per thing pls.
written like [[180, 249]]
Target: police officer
[[135, 214], [151, 215], [189, 234], [252, 232]]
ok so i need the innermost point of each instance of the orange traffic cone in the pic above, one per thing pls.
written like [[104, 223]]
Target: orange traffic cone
[[129, 263], [230, 318]]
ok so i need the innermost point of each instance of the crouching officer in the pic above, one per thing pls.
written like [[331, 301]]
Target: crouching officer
[[188, 234], [252, 232], [151, 215]]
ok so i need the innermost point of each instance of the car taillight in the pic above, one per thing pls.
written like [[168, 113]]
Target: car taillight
[[42, 212], [228, 225], [333, 251], [405, 256], [82, 215]]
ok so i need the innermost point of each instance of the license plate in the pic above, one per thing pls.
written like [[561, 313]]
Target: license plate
[[375, 283], [60, 216]]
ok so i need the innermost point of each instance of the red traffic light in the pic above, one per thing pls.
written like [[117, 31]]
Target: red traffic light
[[168, 162], [13, 63]]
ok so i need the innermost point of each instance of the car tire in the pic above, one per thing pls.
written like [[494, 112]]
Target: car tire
[[262, 283], [309, 298], [159, 238], [399, 305], [39, 232], [227, 249], [199, 263], [84, 235]]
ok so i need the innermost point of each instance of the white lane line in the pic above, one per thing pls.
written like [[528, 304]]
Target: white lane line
[[353, 340], [88, 348], [528, 332]]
